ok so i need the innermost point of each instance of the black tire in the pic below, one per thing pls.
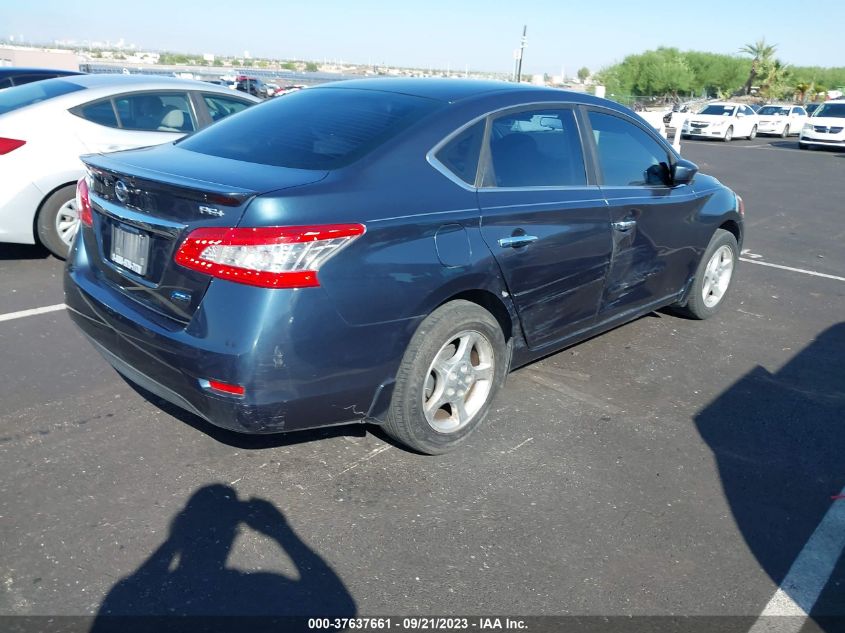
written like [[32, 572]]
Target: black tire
[[729, 134], [406, 420], [753, 134], [785, 133], [696, 307], [803, 146], [45, 223]]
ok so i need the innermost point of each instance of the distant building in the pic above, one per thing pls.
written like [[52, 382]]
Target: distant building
[[38, 57]]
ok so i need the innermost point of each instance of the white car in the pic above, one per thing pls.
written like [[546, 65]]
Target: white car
[[826, 128], [45, 126], [721, 120], [781, 120]]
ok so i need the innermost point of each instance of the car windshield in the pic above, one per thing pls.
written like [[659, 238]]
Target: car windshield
[[719, 110], [773, 111], [323, 128], [836, 110], [29, 94]]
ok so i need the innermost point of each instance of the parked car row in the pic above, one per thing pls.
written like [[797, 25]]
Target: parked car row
[[46, 125], [727, 120]]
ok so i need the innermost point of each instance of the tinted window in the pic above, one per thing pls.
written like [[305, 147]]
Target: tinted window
[[221, 107], [536, 148], [320, 128], [773, 110], [831, 109], [155, 112], [21, 80], [100, 112], [6, 83], [460, 155], [718, 110], [800, 111], [22, 96], [627, 154]]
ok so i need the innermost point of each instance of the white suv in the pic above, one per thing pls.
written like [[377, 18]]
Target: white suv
[[826, 128], [721, 120]]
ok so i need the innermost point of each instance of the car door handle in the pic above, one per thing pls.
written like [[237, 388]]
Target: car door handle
[[624, 225], [515, 241]]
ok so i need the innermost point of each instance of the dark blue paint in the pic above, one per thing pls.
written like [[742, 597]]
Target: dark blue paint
[[328, 355]]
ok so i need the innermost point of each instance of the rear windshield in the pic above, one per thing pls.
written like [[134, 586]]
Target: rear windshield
[[321, 128], [28, 94], [831, 109]]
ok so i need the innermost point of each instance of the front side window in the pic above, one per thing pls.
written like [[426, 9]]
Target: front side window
[[535, 148], [219, 107], [155, 112], [628, 156], [800, 111], [460, 155]]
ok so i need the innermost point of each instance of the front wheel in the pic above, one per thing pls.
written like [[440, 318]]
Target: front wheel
[[729, 134], [713, 277], [753, 133], [454, 365], [785, 132], [58, 221]]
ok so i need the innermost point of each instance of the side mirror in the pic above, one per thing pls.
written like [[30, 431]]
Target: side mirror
[[683, 172]]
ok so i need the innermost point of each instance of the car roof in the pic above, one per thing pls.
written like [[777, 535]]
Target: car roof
[[449, 90]]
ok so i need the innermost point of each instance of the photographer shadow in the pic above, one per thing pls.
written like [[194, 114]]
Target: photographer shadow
[[185, 582], [779, 442]]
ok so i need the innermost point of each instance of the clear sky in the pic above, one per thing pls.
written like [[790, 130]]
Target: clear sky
[[440, 33]]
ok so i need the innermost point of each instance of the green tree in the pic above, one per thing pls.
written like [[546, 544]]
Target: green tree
[[761, 53], [583, 73], [311, 67]]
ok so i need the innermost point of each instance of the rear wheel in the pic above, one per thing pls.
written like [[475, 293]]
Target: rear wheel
[[729, 134], [454, 366], [58, 221], [713, 277]]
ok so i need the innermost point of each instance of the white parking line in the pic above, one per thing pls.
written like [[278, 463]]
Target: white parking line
[[790, 268], [807, 577], [10, 316]]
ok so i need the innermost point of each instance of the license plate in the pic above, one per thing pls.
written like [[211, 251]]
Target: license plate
[[697, 131], [130, 249]]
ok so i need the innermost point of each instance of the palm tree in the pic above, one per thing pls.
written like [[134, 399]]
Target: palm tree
[[761, 54], [801, 89]]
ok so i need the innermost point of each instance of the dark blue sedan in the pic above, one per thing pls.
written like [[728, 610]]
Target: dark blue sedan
[[387, 250]]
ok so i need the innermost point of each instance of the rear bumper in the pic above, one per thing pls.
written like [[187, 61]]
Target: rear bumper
[[301, 365], [18, 204]]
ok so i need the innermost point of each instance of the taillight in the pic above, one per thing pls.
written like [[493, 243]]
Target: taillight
[[270, 257], [223, 387], [10, 145], [83, 203]]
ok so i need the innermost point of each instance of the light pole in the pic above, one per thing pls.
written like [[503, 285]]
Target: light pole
[[521, 51]]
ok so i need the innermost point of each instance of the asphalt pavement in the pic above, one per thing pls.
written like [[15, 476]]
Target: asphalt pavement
[[668, 467]]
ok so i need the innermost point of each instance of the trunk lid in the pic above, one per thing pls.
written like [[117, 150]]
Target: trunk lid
[[145, 202]]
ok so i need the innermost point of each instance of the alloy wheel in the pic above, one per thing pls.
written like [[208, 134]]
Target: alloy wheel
[[717, 276]]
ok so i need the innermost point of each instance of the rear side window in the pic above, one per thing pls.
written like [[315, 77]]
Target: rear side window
[[320, 128], [155, 112], [460, 155], [627, 154], [100, 112], [535, 148], [220, 107], [36, 92]]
